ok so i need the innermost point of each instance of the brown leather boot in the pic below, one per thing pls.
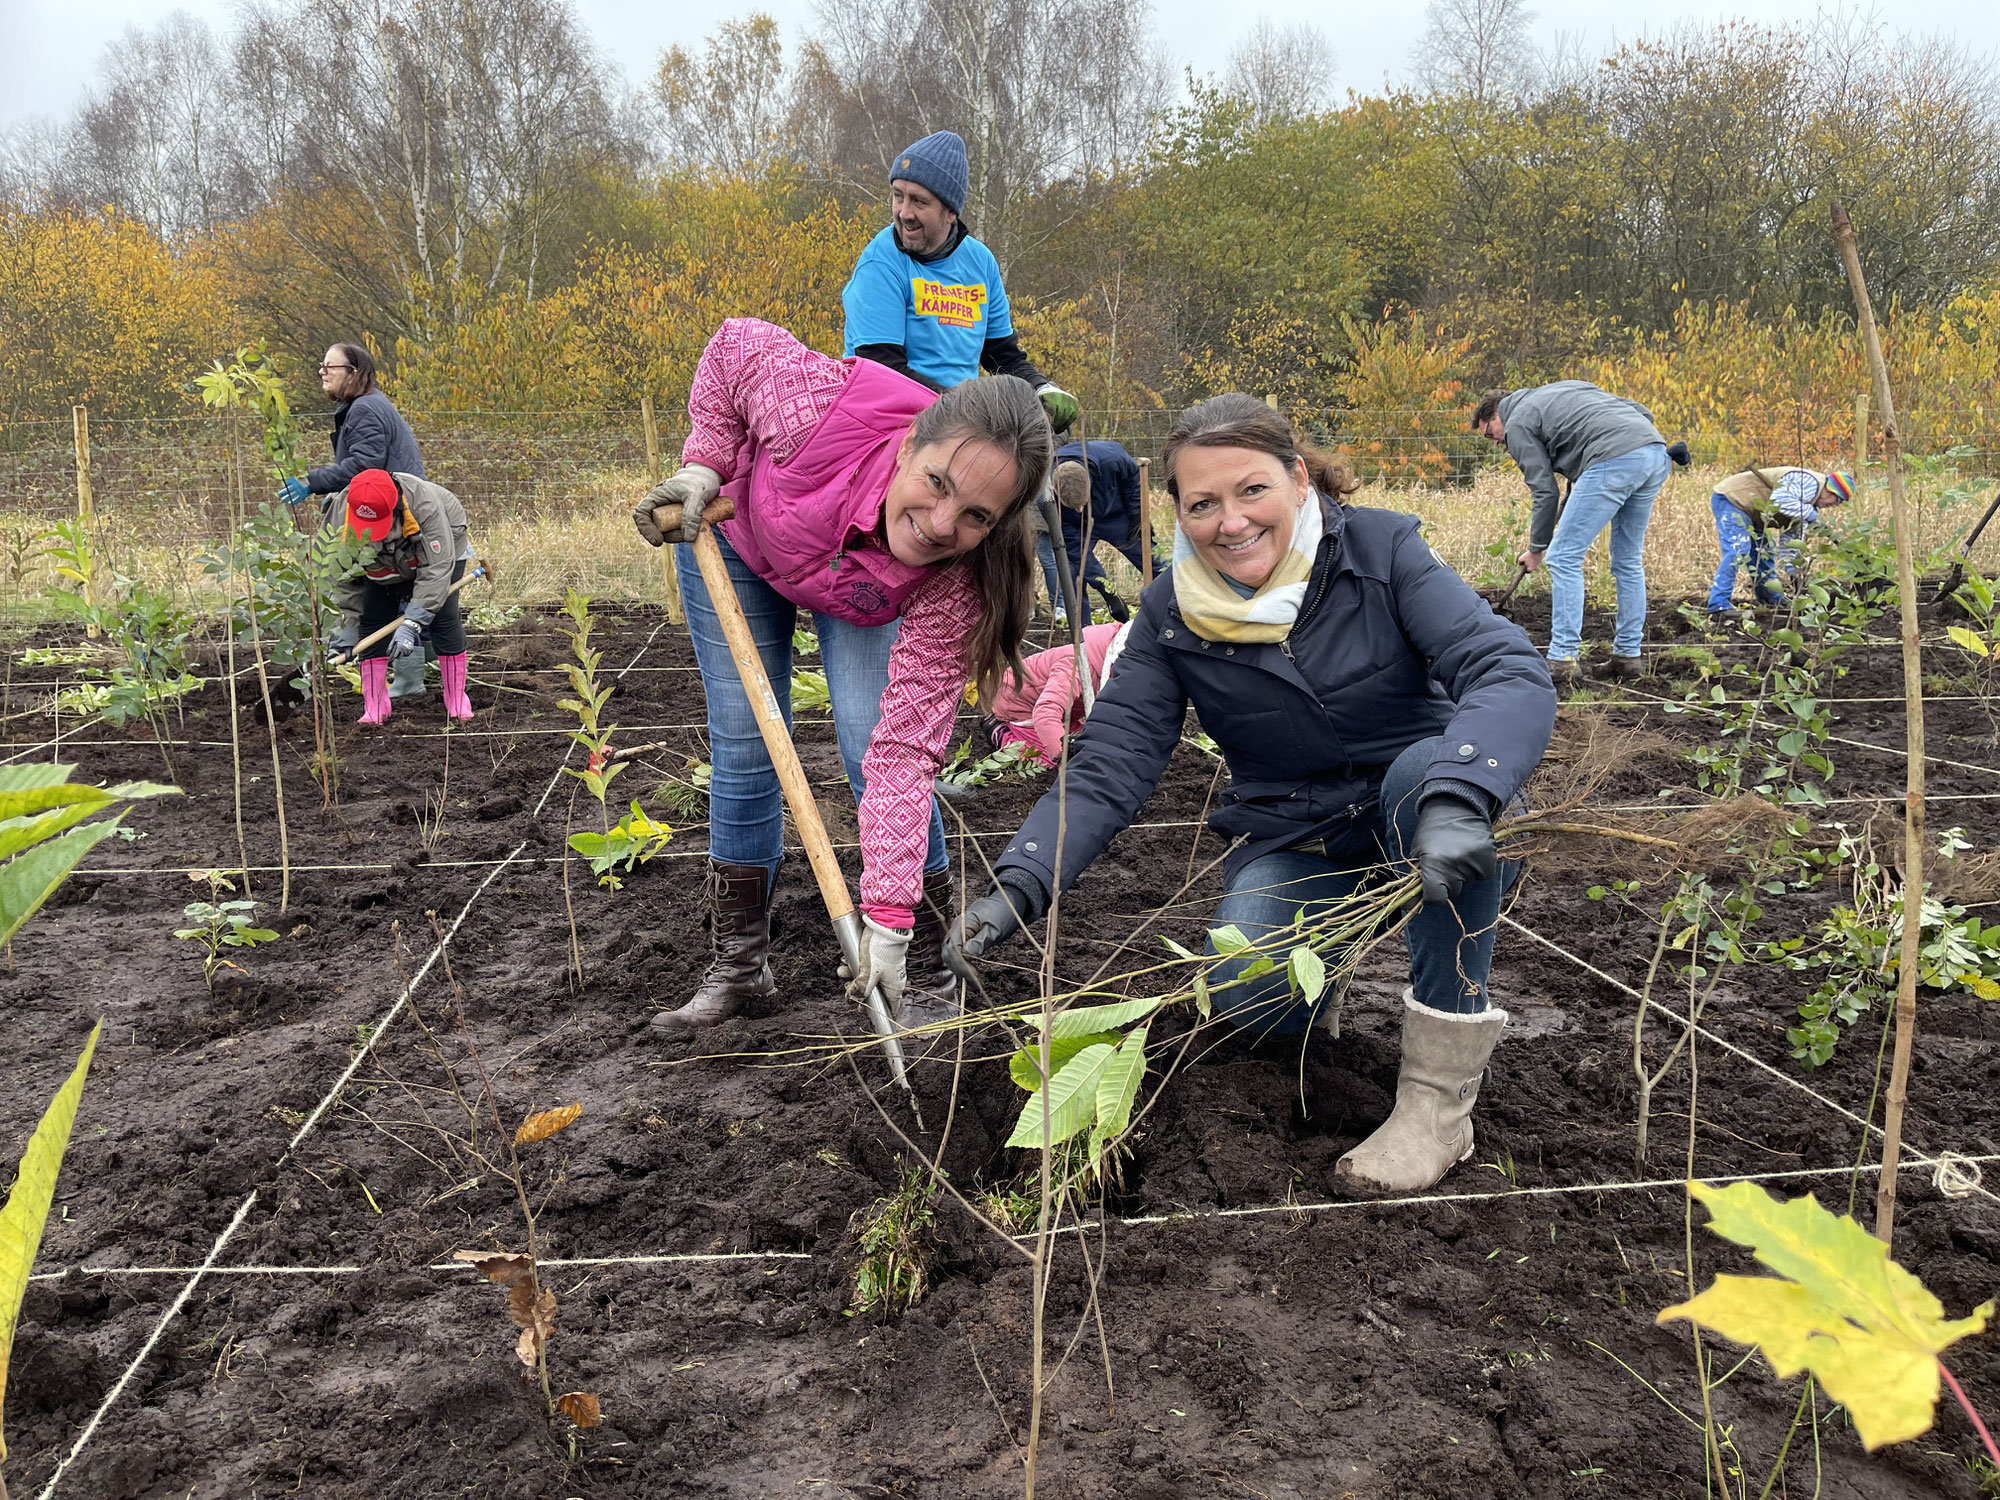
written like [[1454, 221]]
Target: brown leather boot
[[932, 991], [739, 901]]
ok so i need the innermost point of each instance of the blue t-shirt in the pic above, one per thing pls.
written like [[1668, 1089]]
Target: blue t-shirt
[[942, 312]]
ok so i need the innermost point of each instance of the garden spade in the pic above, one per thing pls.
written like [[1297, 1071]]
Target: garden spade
[[785, 760], [480, 568], [1500, 604], [1957, 575]]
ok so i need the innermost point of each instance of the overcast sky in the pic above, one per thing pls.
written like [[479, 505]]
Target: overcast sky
[[49, 48]]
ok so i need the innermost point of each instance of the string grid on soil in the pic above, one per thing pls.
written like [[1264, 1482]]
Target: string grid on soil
[[1264, 1334]]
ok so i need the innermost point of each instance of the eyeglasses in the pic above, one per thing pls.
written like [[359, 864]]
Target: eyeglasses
[[325, 369]]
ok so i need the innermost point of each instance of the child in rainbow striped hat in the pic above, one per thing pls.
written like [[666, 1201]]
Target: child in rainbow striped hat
[[1783, 500]]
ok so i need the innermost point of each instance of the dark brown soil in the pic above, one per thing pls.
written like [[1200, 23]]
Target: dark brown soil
[[1490, 1342]]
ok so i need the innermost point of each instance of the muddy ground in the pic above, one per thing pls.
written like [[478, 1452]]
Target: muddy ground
[[1495, 1340]]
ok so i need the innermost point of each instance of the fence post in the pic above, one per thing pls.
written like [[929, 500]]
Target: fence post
[[1860, 431], [85, 505], [669, 574], [1145, 522]]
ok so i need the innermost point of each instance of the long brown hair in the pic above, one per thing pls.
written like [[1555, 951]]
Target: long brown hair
[[1235, 420], [1005, 411]]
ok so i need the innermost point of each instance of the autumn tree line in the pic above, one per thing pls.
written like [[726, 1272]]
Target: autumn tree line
[[517, 226]]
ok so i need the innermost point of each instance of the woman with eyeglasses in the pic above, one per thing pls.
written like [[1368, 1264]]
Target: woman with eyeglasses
[[898, 516], [368, 433]]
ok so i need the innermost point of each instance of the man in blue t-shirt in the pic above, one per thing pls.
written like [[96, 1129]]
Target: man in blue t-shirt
[[925, 297]]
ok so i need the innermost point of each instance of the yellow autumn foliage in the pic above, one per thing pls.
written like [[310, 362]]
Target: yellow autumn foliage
[[634, 319], [96, 310]]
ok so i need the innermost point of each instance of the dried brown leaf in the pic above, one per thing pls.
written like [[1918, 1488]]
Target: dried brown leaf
[[545, 1123], [527, 1348], [508, 1270], [580, 1407]]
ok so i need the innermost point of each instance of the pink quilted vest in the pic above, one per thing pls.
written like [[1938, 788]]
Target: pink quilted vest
[[801, 525]]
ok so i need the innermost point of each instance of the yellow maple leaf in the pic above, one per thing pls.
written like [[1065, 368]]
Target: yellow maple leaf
[[1869, 1331]]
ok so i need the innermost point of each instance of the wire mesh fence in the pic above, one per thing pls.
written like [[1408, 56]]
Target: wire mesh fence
[[548, 492]]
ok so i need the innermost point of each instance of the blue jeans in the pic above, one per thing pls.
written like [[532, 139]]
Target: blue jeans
[[1618, 493], [1450, 946], [746, 809], [1744, 545], [1045, 553]]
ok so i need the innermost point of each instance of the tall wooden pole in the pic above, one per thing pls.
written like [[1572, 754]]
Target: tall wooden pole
[[86, 505], [669, 574], [1913, 712], [1860, 431], [1145, 522]]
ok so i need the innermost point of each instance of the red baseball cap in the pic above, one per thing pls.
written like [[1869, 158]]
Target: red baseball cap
[[371, 503]]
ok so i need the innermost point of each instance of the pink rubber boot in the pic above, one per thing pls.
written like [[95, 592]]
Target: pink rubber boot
[[452, 670], [375, 690]]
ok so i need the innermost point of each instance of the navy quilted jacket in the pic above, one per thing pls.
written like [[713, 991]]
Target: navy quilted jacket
[[1391, 647]]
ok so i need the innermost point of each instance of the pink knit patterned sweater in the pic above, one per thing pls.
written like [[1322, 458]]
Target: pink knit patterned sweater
[[759, 391]]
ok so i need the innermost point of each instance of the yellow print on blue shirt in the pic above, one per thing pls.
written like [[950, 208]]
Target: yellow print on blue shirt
[[953, 306]]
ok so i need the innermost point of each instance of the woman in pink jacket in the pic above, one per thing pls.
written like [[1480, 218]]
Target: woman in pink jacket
[[1043, 705], [898, 516]]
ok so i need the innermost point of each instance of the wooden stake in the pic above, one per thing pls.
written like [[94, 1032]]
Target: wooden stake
[[1860, 431], [1913, 712], [652, 439], [86, 503], [1145, 522], [669, 572]]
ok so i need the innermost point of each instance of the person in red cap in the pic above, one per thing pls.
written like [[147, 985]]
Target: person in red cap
[[421, 549]]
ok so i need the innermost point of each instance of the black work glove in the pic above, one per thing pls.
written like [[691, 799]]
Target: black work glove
[[1017, 898], [1452, 847]]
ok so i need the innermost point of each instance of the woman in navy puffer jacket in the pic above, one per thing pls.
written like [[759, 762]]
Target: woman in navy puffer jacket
[[1370, 706]]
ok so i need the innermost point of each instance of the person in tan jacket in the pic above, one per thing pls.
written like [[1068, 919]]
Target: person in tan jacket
[[1758, 512], [421, 548]]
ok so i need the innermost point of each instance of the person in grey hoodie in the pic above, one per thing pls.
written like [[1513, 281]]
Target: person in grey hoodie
[[1615, 461]]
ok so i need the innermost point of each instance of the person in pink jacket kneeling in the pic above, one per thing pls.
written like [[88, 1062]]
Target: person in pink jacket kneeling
[[1042, 707], [898, 517]]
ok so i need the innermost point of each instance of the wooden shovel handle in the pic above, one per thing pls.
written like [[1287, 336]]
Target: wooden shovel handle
[[668, 517], [477, 570], [764, 705]]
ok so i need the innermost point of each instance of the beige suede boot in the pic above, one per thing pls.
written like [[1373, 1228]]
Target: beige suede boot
[[1430, 1130]]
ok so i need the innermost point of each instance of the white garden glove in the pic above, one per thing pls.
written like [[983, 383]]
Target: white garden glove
[[885, 964], [691, 487]]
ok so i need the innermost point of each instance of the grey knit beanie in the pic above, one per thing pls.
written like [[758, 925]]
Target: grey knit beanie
[[937, 163]]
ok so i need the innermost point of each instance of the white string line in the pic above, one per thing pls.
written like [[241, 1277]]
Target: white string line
[[1681, 1020], [388, 1018], [449, 1265], [146, 1349], [1655, 1184], [1838, 739], [1896, 796], [312, 1120], [480, 864], [1422, 1200]]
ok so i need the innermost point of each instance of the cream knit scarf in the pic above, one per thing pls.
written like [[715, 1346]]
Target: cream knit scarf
[[1216, 612]]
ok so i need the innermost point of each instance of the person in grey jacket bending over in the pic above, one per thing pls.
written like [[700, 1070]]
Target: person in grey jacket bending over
[[1615, 461], [1371, 708]]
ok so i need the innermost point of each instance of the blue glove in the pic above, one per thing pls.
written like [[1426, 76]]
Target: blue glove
[[407, 641], [292, 491]]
